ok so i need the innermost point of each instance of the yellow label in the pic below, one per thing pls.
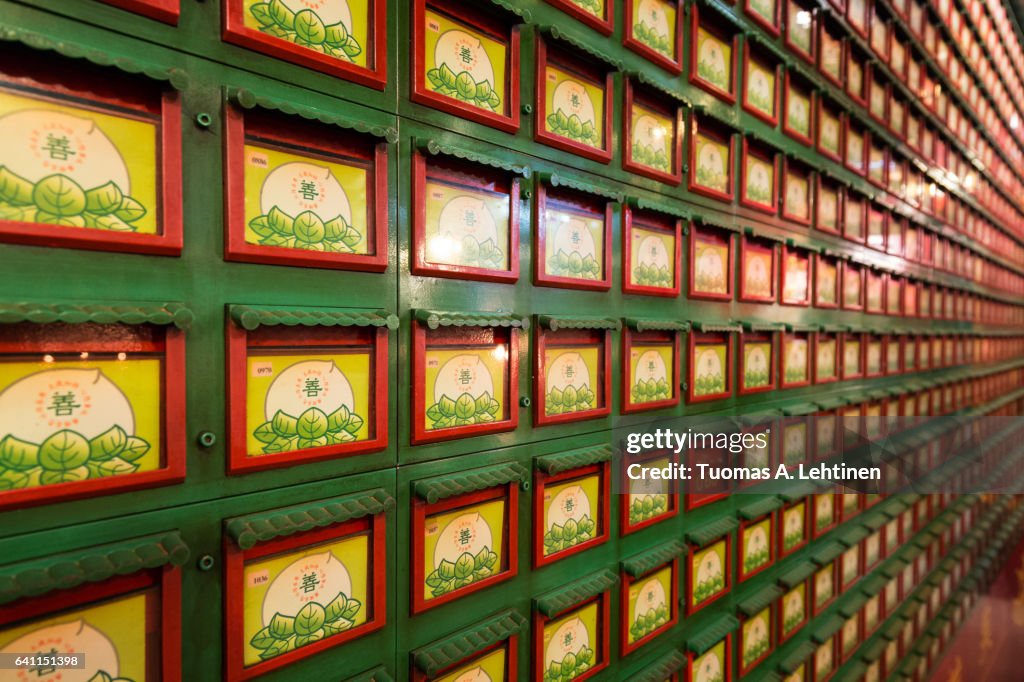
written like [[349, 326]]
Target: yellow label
[[799, 27], [648, 497], [572, 513], [75, 420], [465, 386], [293, 599], [73, 166], [855, 149], [711, 267], [850, 566], [796, 361], [336, 28], [765, 9], [755, 545], [295, 402], [653, 139], [873, 293], [794, 443], [760, 179], [793, 530], [824, 585], [831, 55], [824, 510], [708, 573], [111, 634], [828, 137], [825, 364], [851, 358], [655, 25], [572, 379], [756, 637], [851, 287], [649, 604], [796, 286], [306, 202], [761, 85], [711, 666], [798, 203], [823, 659], [593, 7], [713, 162], [463, 63], [714, 60], [854, 220], [798, 112], [653, 258], [487, 668], [575, 108], [757, 365], [466, 226], [573, 244], [572, 643], [758, 273], [874, 354], [462, 547], [793, 608], [828, 208], [710, 364], [650, 373]]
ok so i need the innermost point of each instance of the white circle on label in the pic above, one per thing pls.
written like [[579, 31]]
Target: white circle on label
[[38, 143], [648, 131], [464, 52], [463, 374], [710, 567], [81, 400], [572, 98], [312, 578], [568, 369], [465, 533], [650, 365], [571, 234], [76, 637], [298, 186], [651, 596], [570, 637], [306, 384], [709, 669], [569, 503], [652, 251]]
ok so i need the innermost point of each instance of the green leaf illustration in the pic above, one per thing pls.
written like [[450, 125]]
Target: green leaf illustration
[[309, 27], [108, 444], [18, 454], [282, 627], [63, 451], [336, 35], [74, 475], [112, 467], [309, 228], [134, 448], [465, 406], [309, 619], [281, 15], [60, 195], [262, 639], [14, 189], [284, 424], [311, 424], [103, 199]]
